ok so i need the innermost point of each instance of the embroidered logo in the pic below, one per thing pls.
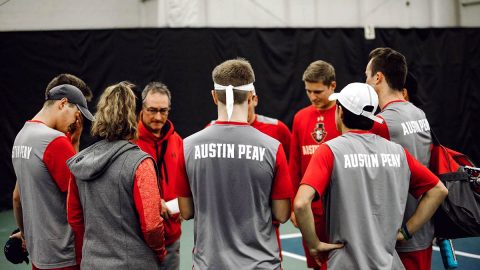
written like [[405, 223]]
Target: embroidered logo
[[319, 133]]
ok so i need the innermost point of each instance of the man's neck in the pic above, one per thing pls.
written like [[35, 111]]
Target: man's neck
[[346, 129], [326, 106], [389, 95], [251, 118], [45, 117], [239, 114]]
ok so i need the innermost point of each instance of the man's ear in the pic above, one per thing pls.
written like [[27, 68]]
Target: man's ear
[[340, 112], [333, 85], [62, 103], [379, 77], [214, 96], [255, 100], [405, 94]]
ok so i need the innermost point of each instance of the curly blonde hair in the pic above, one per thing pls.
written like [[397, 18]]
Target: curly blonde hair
[[115, 118]]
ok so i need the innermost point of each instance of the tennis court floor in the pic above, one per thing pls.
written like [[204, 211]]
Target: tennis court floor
[[468, 250]]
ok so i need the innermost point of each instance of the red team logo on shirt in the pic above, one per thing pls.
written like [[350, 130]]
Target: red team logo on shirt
[[319, 133]]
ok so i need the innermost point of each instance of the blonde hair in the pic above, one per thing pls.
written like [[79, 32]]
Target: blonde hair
[[319, 71], [115, 118]]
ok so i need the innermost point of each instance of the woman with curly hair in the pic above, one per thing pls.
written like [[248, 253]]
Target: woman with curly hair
[[114, 199]]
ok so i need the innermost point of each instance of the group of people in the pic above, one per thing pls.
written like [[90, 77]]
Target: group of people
[[354, 182]]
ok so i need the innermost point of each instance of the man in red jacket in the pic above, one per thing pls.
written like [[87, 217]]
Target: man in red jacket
[[157, 137], [312, 126]]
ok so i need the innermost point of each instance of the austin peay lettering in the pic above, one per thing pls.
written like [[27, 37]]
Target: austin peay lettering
[[371, 160], [309, 149], [415, 126], [21, 151], [228, 150]]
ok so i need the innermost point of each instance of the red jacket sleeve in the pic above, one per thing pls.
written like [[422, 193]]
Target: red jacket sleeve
[[319, 169], [381, 129], [285, 136], [55, 158], [148, 204], [282, 185], [75, 216], [295, 157], [421, 179]]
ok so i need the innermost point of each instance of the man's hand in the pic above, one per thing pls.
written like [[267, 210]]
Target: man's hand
[[19, 235], [293, 219], [400, 236], [322, 249], [75, 131], [165, 213]]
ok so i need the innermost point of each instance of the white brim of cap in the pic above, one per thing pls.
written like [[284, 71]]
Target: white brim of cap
[[334, 96], [372, 117], [369, 115]]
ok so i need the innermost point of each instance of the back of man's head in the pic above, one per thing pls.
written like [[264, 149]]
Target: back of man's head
[[359, 102], [70, 79], [236, 72], [319, 71], [392, 64]]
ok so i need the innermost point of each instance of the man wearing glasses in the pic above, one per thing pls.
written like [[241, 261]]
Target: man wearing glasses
[[157, 137]]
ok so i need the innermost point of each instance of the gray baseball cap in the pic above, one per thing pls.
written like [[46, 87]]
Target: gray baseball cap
[[74, 96]]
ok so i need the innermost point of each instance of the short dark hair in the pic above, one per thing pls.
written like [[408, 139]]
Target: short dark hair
[[156, 87], [239, 96], [411, 84], [233, 72], [353, 121], [66, 78], [392, 64], [319, 71]]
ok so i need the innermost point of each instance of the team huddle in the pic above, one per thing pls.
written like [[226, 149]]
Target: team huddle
[[352, 176]]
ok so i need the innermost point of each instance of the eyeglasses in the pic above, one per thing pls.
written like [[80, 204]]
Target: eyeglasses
[[154, 111]]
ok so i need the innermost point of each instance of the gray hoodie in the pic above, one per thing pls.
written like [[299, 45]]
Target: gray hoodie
[[104, 174]]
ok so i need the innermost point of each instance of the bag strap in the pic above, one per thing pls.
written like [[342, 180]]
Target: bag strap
[[454, 177], [436, 142]]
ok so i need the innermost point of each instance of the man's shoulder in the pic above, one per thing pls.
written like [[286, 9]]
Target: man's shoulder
[[41, 133], [401, 111], [262, 119]]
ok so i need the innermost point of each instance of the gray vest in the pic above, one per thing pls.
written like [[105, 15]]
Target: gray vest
[[409, 127], [231, 170], [48, 236], [365, 201], [113, 239]]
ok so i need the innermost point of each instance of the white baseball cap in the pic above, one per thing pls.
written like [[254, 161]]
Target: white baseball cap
[[355, 97]]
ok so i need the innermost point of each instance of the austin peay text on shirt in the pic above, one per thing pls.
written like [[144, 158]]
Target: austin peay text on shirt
[[21, 151], [229, 150], [415, 126], [309, 149], [371, 160]]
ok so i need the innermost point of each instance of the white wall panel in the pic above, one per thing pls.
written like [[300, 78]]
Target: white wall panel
[[93, 14]]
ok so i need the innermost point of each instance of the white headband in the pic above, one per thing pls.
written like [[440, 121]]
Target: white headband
[[229, 94]]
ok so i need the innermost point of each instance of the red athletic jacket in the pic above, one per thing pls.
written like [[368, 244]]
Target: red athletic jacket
[[153, 145]]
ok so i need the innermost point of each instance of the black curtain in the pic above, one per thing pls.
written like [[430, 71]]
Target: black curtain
[[446, 62]]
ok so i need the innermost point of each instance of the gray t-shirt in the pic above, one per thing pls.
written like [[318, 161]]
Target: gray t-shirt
[[48, 235], [233, 171], [365, 189], [409, 127]]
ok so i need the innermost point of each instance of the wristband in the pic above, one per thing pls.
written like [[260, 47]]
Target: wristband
[[406, 234]]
